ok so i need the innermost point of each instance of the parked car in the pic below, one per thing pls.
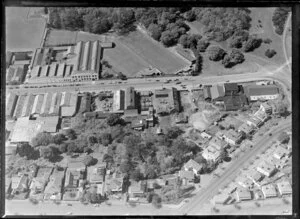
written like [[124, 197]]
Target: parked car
[[178, 82]]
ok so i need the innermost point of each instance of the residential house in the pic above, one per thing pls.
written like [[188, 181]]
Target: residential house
[[217, 143], [269, 191], [266, 168], [255, 176], [137, 189], [96, 174], [232, 137], [130, 99], [231, 89], [255, 122], [246, 129], [138, 123], [280, 152], [167, 180], [211, 153], [114, 185], [53, 190], [193, 166], [205, 135], [261, 115], [19, 184], [265, 107], [266, 92], [187, 177], [243, 194], [244, 182], [207, 93], [284, 188]]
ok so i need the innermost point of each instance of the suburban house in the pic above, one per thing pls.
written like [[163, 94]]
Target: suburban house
[[246, 129], [167, 180], [114, 185], [255, 122], [261, 115], [217, 143], [211, 153], [265, 107], [231, 89], [19, 184], [96, 174], [193, 166], [137, 189], [280, 152], [53, 190], [255, 176], [217, 93], [258, 92], [284, 188], [266, 168], [207, 93], [269, 191], [243, 194], [244, 182], [187, 177], [205, 135], [232, 137]]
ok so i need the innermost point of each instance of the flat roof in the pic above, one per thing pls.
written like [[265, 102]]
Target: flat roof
[[259, 90]]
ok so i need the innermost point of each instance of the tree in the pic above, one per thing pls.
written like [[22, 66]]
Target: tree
[[107, 158], [168, 39], [63, 148], [184, 41], [198, 65], [270, 53], [47, 152], [121, 76], [156, 201], [136, 175], [114, 119], [70, 133], [71, 20], [42, 139], [235, 57], [283, 138], [155, 31], [25, 149], [279, 18], [190, 15], [88, 160], [216, 53], [251, 44], [173, 132], [106, 139], [124, 20], [95, 198], [58, 138], [100, 26], [126, 166], [202, 45]]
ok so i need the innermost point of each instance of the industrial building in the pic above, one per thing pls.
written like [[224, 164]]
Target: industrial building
[[262, 92], [118, 101], [80, 62]]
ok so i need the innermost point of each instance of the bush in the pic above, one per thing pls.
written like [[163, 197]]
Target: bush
[[173, 132], [58, 138], [88, 160], [114, 119], [235, 57], [106, 139], [63, 148], [251, 44], [270, 53], [202, 45], [47, 152], [70, 133], [42, 139], [216, 53], [25, 150], [168, 38]]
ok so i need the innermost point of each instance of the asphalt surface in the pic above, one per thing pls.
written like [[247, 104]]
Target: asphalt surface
[[203, 196]]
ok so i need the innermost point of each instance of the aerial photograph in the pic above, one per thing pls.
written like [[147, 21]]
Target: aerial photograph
[[148, 111]]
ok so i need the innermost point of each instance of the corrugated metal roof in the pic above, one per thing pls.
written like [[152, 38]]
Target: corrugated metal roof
[[257, 90]]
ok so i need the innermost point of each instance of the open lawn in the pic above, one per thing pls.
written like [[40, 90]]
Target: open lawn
[[153, 52], [60, 37], [22, 33]]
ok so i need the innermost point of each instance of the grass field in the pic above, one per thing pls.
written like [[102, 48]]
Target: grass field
[[22, 33], [60, 37], [124, 59], [154, 53]]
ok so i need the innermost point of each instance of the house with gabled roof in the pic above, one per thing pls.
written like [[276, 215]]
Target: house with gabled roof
[[193, 166]]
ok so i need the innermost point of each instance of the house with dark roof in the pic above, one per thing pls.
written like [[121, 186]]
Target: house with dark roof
[[235, 102], [187, 177], [231, 89], [266, 92], [207, 93], [246, 129], [166, 101]]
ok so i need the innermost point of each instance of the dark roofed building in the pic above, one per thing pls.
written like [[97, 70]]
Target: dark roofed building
[[166, 101], [235, 102], [231, 88], [207, 93], [130, 101]]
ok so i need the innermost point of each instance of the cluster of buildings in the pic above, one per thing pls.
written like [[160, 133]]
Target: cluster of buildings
[[68, 184], [17, 64], [233, 96], [79, 62], [263, 180]]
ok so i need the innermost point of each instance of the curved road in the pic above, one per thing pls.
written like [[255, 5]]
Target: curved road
[[204, 195]]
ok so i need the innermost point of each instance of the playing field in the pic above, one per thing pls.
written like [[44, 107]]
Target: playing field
[[22, 33], [154, 53]]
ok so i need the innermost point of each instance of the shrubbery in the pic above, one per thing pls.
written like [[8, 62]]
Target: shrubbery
[[215, 53], [270, 53], [279, 18]]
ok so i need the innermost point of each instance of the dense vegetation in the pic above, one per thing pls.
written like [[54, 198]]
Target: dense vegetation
[[279, 18]]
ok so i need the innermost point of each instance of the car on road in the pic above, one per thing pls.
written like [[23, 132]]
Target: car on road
[[227, 81], [157, 80], [120, 82], [69, 204], [167, 82], [176, 79], [178, 82]]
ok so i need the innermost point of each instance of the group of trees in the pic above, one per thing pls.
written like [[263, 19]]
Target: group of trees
[[279, 18], [270, 53], [94, 20]]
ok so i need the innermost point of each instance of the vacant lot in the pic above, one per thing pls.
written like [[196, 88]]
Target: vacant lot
[[154, 53], [22, 33]]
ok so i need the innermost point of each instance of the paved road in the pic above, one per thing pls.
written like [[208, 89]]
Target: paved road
[[203, 196]]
